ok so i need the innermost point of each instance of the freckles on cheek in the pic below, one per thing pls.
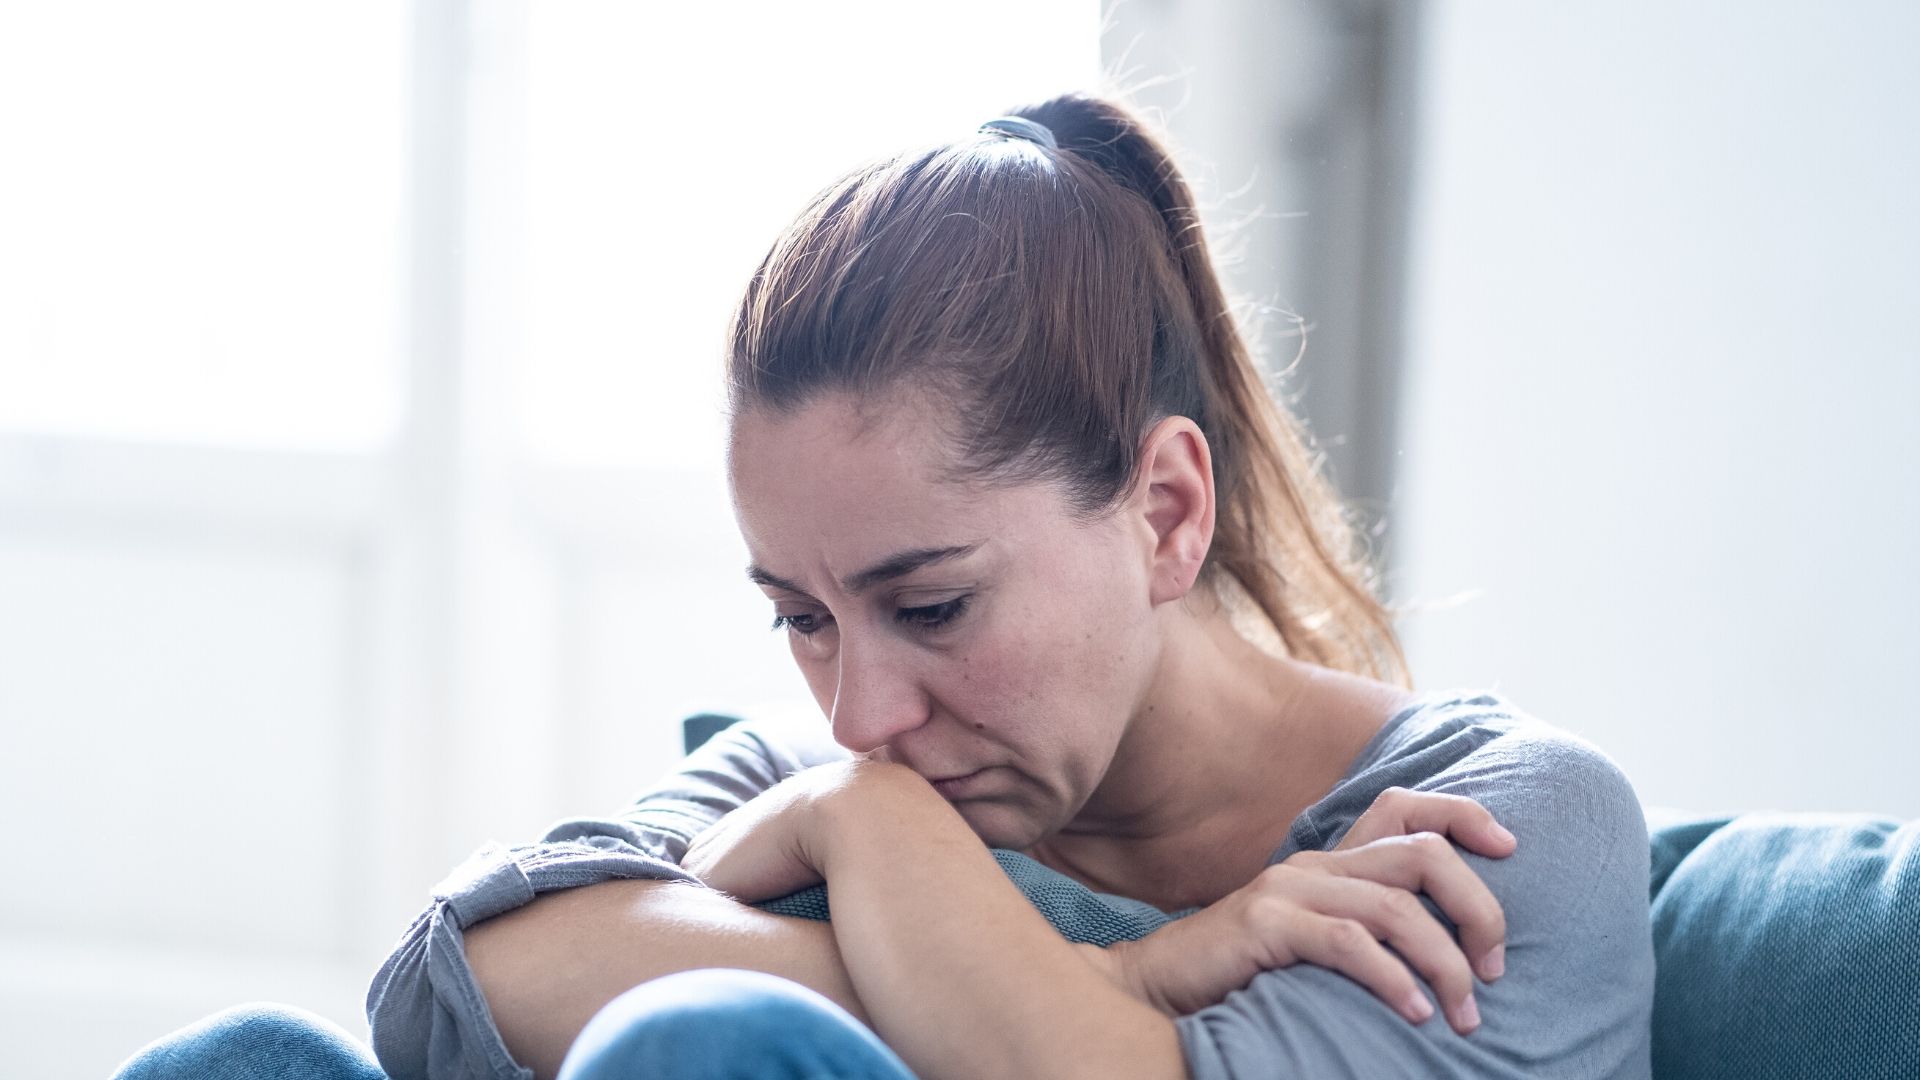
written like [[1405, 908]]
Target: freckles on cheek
[[995, 685], [1025, 670]]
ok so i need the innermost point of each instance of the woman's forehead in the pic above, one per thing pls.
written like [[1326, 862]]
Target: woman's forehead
[[886, 568], [836, 444], [821, 484]]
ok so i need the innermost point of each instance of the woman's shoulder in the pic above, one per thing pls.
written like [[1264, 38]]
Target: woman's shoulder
[[1440, 726], [1544, 783], [1458, 734], [1578, 990]]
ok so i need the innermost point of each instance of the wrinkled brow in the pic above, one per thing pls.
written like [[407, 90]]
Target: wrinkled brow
[[893, 566]]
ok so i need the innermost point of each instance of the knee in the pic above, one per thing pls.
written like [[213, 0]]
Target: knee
[[256, 1040], [691, 1022], [721, 1002]]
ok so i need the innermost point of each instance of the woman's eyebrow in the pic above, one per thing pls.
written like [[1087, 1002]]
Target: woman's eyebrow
[[893, 566]]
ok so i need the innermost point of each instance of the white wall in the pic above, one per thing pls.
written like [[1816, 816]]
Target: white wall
[[1663, 375]]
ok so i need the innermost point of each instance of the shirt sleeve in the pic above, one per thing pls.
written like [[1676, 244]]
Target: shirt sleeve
[[1576, 999], [428, 1018], [723, 774]]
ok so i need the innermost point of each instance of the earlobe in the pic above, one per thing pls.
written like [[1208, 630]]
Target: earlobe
[[1177, 474]]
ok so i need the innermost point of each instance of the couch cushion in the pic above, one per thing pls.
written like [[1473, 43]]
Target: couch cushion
[[1788, 945]]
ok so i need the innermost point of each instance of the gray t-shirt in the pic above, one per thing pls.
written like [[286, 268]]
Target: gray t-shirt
[[1576, 999]]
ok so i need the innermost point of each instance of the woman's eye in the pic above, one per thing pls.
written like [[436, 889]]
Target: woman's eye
[[935, 616], [804, 625], [931, 617]]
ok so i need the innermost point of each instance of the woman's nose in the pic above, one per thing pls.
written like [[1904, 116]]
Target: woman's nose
[[874, 701]]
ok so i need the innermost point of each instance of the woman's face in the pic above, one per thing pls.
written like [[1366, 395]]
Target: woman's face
[[950, 629]]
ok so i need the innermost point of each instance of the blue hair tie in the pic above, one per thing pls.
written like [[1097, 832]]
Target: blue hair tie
[[1022, 128]]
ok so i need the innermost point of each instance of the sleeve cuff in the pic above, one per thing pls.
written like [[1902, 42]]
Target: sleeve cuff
[[428, 1018]]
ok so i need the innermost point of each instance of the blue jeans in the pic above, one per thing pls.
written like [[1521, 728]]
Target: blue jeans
[[711, 1024]]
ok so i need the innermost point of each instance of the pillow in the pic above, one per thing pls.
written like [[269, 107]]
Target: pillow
[[1788, 945]]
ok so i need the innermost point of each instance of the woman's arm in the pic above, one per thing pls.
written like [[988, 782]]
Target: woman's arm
[[1341, 909], [962, 977], [1577, 993], [943, 948], [720, 776], [596, 906], [547, 967]]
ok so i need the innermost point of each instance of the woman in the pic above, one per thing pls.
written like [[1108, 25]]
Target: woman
[[1063, 579]]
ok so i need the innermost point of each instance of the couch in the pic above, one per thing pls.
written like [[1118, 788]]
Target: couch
[[1786, 945]]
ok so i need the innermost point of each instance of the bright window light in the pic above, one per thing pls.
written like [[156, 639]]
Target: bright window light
[[200, 220]]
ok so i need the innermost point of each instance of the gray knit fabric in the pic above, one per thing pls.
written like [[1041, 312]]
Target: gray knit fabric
[[1079, 914]]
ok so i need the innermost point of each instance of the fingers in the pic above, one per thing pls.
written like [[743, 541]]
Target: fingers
[[1428, 863], [1347, 946], [1361, 915], [1398, 811]]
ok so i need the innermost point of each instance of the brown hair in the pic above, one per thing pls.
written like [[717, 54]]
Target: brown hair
[[1062, 302]]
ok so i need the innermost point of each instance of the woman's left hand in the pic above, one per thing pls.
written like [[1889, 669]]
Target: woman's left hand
[[1335, 908], [771, 845]]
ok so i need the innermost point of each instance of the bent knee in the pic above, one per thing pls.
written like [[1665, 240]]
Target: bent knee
[[736, 1002], [692, 1021], [259, 1039]]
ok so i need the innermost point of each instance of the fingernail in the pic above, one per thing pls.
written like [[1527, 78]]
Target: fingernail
[[1468, 1015], [1417, 1007], [1495, 964], [1501, 831]]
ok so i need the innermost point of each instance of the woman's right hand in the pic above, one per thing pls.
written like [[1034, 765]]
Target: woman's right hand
[[1335, 908]]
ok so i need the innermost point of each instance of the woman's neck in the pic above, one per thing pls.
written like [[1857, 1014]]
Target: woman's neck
[[1228, 747]]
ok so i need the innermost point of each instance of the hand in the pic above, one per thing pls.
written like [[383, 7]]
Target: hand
[[1399, 811], [768, 846], [1333, 908]]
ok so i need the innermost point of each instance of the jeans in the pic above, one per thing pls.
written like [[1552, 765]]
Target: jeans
[[710, 1024], [258, 1041]]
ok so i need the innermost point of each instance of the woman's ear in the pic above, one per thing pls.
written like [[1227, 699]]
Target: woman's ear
[[1173, 496]]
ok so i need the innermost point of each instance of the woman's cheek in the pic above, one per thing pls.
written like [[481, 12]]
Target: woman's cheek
[[819, 675]]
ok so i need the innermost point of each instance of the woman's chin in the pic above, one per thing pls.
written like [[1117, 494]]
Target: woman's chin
[[999, 826]]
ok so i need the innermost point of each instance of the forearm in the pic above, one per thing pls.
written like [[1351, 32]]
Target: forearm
[[547, 967], [962, 976]]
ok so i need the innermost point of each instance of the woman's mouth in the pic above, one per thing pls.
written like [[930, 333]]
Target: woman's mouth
[[959, 787]]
